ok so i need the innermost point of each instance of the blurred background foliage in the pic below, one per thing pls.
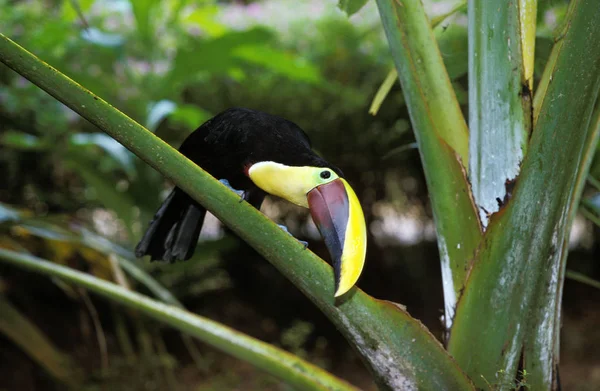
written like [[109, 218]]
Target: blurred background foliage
[[72, 194]]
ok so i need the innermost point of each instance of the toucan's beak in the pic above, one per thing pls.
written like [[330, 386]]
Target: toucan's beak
[[337, 214]]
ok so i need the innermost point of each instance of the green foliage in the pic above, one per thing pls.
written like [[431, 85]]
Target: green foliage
[[280, 363], [382, 342], [350, 7], [171, 65]]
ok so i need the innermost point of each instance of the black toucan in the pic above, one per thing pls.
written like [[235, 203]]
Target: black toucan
[[259, 153]]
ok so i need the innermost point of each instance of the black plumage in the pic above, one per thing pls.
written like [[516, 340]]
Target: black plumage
[[225, 146]]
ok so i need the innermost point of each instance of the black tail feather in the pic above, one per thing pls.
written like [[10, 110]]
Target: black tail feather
[[173, 232]]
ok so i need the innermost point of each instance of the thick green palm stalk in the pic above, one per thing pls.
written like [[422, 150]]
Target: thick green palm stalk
[[507, 280], [397, 349], [499, 98], [542, 341], [442, 135]]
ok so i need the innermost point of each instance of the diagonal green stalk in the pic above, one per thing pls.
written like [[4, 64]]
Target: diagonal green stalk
[[442, 135], [498, 305], [549, 68], [286, 366], [421, 68], [542, 342], [540, 93], [460, 6], [499, 104], [396, 348], [392, 75], [383, 91]]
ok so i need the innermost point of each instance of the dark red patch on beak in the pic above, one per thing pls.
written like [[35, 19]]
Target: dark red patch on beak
[[330, 209], [247, 169]]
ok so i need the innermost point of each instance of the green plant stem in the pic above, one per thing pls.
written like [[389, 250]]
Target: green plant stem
[[499, 106], [280, 363], [396, 348], [392, 75], [542, 342], [442, 135], [460, 6], [383, 91], [549, 69], [520, 247]]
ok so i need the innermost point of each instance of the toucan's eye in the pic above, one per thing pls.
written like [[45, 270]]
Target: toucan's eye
[[325, 174]]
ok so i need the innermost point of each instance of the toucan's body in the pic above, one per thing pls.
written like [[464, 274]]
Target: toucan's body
[[259, 153]]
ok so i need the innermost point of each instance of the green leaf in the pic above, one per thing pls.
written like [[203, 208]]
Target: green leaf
[[499, 106], [461, 6], [104, 189], [205, 17], [157, 112], [383, 91], [442, 135], [8, 214], [214, 55], [115, 150], [280, 363], [396, 348], [280, 62], [453, 43], [522, 241], [74, 9], [22, 141], [24, 333], [99, 37], [189, 116], [81, 237], [350, 7], [142, 10], [452, 40]]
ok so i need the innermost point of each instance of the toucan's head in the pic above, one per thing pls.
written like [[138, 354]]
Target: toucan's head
[[333, 205]]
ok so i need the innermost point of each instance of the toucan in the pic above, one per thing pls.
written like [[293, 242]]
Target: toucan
[[255, 153]]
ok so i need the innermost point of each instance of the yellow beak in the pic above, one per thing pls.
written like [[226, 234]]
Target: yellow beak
[[334, 207]]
